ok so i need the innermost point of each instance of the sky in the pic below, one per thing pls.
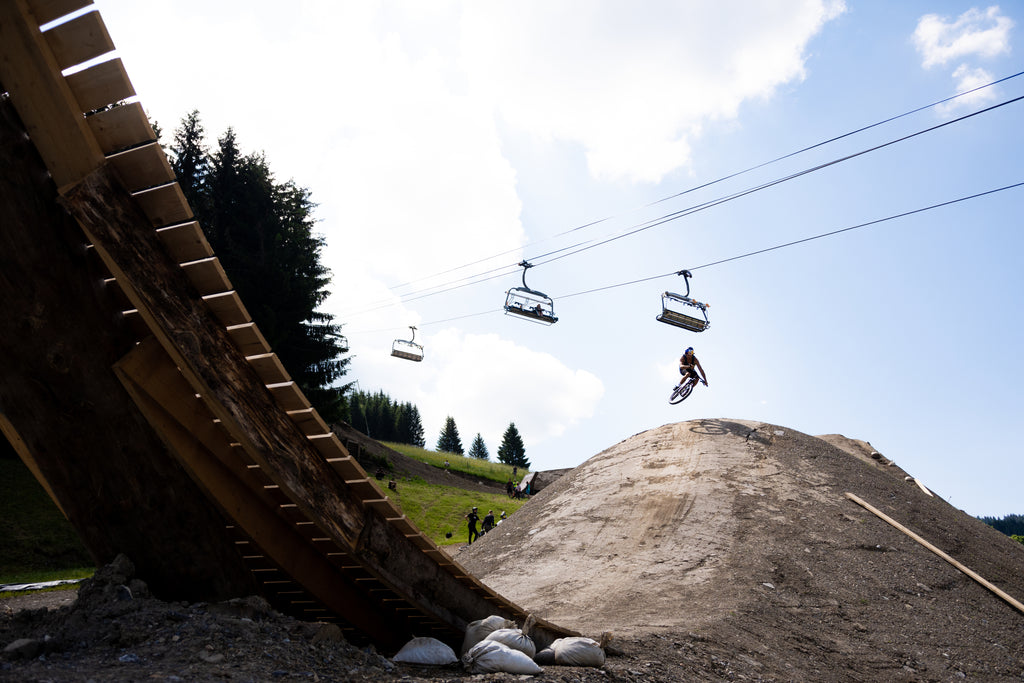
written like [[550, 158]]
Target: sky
[[610, 142]]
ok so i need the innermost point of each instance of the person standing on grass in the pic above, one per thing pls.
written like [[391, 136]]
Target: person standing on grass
[[473, 519]]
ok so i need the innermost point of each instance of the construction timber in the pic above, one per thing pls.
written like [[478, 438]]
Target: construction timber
[[140, 393]]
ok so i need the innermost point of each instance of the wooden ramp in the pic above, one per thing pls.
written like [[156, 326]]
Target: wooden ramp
[[320, 538]]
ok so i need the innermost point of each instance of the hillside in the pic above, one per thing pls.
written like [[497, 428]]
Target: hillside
[[730, 545], [714, 550]]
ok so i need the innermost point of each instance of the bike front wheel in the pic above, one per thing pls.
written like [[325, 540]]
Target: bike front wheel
[[681, 391]]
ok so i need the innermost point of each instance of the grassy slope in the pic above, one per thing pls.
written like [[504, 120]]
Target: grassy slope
[[438, 510], [38, 544]]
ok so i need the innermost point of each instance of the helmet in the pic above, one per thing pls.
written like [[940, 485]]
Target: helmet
[[689, 349]]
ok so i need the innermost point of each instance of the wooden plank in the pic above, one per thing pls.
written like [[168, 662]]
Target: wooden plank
[[248, 338], [207, 276], [25, 453], [164, 205], [101, 85], [142, 167], [185, 242], [155, 383], [309, 421], [227, 308], [46, 11], [121, 127], [269, 367], [1012, 601], [347, 468], [329, 445], [288, 396], [42, 98], [83, 38]]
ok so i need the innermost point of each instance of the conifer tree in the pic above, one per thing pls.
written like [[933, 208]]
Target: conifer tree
[[262, 233], [479, 449], [512, 451], [449, 441]]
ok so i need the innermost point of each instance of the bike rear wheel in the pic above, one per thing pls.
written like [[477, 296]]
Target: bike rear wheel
[[681, 391]]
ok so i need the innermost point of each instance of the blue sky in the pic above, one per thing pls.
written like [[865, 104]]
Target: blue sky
[[435, 135]]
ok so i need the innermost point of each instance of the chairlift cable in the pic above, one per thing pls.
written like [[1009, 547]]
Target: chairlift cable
[[778, 181], [704, 185], [734, 258]]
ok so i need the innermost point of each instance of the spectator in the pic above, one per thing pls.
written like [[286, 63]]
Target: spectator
[[488, 521], [473, 519]]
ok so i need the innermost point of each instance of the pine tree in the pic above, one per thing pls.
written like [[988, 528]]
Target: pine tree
[[449, 441], [262, 233], [512, 451], [479, 449], [409, 429]]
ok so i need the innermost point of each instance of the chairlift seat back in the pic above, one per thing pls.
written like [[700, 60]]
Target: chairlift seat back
[[680, 319], [407, 350], [530, 304]]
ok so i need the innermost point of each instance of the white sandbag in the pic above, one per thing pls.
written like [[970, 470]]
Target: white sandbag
[[490, 656], [478, 630], [429, 651], [515, 639], [578, 651]]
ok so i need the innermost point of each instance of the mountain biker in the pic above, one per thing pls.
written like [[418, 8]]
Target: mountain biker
[[689, 365]]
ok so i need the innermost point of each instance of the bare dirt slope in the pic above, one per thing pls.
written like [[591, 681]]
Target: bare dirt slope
[[714, 550], [735, 538]]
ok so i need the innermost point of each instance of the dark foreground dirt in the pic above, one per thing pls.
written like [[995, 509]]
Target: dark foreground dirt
[[714, 550]]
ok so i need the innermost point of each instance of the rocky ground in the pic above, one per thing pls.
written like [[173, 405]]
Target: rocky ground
[[714, 550]]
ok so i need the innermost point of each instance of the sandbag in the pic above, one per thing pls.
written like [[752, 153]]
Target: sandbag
[[429, 651], [515, 639], [478, 630], [545, 657], [578, 651], [490, 656]]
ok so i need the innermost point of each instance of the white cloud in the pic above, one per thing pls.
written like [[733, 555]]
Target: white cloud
[[975, 33], [634, 86], [968, 79], [485, 382]]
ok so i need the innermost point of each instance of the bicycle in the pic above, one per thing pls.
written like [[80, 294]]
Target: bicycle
[[682, 390]]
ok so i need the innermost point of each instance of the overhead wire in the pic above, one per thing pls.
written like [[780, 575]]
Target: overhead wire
[[749, 254], [452, 285]]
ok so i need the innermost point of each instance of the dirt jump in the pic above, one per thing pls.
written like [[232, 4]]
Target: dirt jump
[[732, 544]]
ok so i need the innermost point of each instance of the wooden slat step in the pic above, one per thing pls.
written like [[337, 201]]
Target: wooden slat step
[[329, 445], [100, 85], [83, 38], [185, 242], [347, 467], [207, 276], [122, 127], [142, 167], [404, 525], [248, 338], [422, 542], [46, 11], [384, 506], [288, 396], [164, 205], [308, 421], [365, 489], [269, 367], [228, 309]]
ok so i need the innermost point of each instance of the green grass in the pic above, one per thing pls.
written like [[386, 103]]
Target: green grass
[[437, 510], [485, 469], [36, 542]]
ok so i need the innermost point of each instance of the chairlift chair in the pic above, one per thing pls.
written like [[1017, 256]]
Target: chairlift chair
[[409, 350], [672, 314], [529, 303]]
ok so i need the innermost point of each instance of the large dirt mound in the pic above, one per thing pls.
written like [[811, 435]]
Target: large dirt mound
[[735, 538]]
